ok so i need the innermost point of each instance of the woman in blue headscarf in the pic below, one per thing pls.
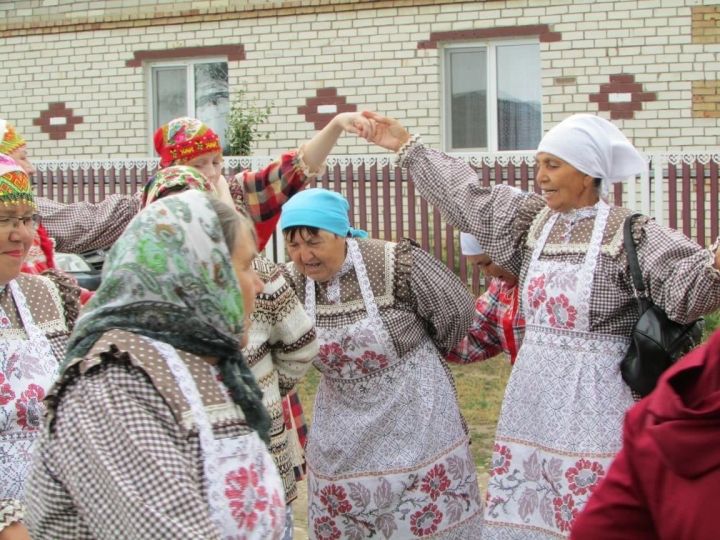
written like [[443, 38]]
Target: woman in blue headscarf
[[388, 451]]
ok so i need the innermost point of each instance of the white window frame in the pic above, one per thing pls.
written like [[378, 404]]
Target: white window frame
[[491, 97], [189, 64]]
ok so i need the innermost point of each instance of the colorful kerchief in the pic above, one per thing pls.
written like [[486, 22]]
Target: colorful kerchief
[[10, 140], [184, 139], [15, 187], [321, 208], [170, 277], [174, 179]]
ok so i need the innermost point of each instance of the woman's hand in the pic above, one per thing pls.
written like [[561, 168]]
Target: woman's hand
[[386, 132], [15, 531], [354, 122]]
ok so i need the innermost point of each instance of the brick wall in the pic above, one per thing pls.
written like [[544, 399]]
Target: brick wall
[[374, 54]]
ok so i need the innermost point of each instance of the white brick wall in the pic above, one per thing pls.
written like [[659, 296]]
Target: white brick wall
[[369, 54]]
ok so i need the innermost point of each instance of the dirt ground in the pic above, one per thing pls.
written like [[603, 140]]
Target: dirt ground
[[300, 506]]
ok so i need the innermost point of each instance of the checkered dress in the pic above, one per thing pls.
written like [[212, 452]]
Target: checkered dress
[[532, 492]]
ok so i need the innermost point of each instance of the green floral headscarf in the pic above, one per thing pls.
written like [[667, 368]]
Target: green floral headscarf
[[173, 179], [169, 277]]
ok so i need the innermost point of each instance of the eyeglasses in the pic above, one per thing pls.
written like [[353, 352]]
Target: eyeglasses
[[8, 223]]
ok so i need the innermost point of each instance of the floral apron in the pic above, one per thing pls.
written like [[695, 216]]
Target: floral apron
[[244, 489], [387, 454], [27, 369], [561, 420]]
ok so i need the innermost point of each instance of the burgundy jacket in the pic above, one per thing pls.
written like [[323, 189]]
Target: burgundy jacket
[[665, 482]]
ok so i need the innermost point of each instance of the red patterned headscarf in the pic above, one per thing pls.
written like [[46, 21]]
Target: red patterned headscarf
[[10, 140], [184, 139]]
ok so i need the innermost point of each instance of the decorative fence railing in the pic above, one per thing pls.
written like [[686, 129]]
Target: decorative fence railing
[[679, 190]]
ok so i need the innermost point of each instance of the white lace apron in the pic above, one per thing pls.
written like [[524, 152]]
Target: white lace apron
[[245, 492], [561, 420], [387, 455], [27, 370]]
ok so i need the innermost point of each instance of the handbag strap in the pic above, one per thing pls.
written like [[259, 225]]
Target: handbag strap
[[633, 263]]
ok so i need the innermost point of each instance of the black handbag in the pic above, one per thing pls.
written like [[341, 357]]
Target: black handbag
[[657, 342]]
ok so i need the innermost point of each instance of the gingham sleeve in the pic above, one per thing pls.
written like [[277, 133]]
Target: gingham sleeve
[[499, 216], [115, 460], [84, 226], [678, 273], [440, 299]]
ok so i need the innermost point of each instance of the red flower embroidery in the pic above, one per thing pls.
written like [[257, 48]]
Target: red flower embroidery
[[247, 497], [6, 392], [425, 521], [584, 476], [333, 356], [335, 500], [435, 482], [501, 459], [562, 314], [371, 361], [536, 291], [30, 407], [565, 512], [325, 529], [275, 513]]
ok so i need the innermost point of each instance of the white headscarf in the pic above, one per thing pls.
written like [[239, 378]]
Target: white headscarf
[[594, 146], [469, 245]]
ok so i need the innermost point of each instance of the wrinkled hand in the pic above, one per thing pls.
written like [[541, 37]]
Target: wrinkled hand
[[387, 132], [14, 531]]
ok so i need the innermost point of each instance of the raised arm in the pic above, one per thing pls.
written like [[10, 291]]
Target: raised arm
[[85, 226]]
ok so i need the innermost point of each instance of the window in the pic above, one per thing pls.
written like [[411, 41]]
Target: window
[[197, 88], [492, 95]]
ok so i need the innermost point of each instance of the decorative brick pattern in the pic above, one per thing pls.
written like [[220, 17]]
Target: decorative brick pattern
[[622, 96], [57, 121], [384, 55], [706, 24], [320, 109], [706, 99]]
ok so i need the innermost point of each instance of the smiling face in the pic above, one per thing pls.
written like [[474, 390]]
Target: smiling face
[[317, 255], [564, 187], [15, 239]]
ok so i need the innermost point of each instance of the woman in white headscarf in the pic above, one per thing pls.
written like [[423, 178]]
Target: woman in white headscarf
[[561, 419]]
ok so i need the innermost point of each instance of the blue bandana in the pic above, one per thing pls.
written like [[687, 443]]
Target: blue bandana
[[321, 208]]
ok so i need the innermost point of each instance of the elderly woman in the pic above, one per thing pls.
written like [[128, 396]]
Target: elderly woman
[[156, 426], [281, 338], [387, 452], [35, 319], [561, 419]]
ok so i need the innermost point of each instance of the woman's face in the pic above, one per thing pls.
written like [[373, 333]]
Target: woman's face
[[21, 158], [491, 269], [318, 256], [15, 239], [563, 186], [242, 256], [210, 165]]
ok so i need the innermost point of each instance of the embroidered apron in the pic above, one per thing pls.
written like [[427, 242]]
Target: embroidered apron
[[244, 489], [561, 421], [27, 370], [387, 454]]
